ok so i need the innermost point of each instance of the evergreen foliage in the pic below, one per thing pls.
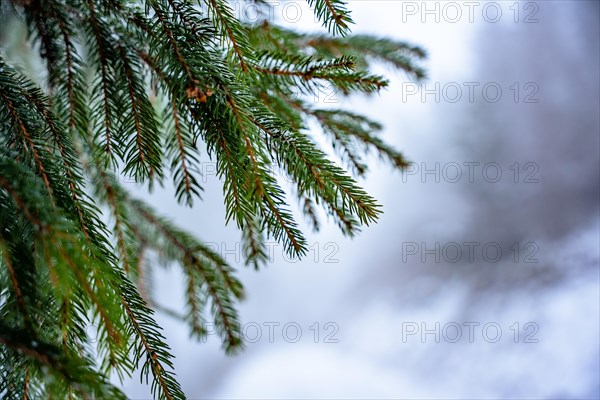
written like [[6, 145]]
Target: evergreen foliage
[[146, 90]]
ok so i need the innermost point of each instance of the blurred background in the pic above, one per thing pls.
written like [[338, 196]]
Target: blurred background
[[482, 278]]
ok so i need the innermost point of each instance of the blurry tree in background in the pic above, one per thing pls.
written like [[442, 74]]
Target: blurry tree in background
[[138, 91]]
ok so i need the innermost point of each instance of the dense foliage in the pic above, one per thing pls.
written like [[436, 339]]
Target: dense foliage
[[145, 90]]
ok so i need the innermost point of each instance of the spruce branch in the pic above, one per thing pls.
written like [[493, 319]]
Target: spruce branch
[[231, 29], [76, 371], [333, 14], [139, 90]]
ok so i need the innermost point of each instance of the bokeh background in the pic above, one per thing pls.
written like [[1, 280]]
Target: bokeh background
[[504, 135]]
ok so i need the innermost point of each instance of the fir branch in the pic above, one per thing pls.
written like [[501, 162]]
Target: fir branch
[[346, 126], [338, 71], [238, 196], [145, 161], [4, 251], [238, 88], [24, 130], [67, 154], [209, 267], [231, 29], [330, 184], [183, 156], [367, 48], [76, 371], [190, 18], [196, 303], [151, 343], [99, 36], [333, 14]]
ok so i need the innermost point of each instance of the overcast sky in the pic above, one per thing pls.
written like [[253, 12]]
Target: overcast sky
[[481, 280]]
